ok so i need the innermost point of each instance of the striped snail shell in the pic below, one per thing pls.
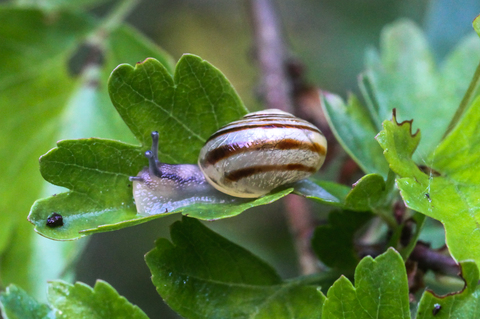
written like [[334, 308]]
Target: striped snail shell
[[247, 158], [260, 152]]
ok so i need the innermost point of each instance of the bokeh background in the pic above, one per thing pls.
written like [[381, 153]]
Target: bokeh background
[[328, 36]]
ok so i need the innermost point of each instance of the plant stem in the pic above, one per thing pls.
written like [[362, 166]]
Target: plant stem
[[300, 222], [277, 90], [466, 101], [428, 258], [113, 20], [271, 53]]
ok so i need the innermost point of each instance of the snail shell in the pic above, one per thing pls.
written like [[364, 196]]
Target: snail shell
[[246, 158], [260, 152]]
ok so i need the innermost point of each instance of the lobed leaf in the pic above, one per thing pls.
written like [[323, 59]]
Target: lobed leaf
[[448, 190], [462, 304], [202, 275], [185, 109], [381, 290], [69, 301], [81, 301], [15, 303], [403, 75]]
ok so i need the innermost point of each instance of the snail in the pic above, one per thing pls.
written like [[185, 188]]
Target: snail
[[245, 159]]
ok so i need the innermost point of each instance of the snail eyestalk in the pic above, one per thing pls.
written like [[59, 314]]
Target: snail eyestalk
[[152, 164], [154, 148]]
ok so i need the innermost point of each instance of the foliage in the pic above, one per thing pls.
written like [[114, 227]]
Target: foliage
[[203, 275], [69, 301], [199, 273]]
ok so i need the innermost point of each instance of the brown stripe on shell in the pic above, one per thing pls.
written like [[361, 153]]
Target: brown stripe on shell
[[264, 126], [225, 151], [237, 175]]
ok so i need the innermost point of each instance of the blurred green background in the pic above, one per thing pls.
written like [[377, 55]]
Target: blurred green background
[[329, 37]]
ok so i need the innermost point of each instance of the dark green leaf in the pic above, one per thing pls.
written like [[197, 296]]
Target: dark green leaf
[[96, 171], [202, 275], [185, 109], [333, 243], [15, 303], [81, 301], [381, 291], [463, 304], [368, 193], [101, 193], [322, 191], [355, 130], [101, 196]]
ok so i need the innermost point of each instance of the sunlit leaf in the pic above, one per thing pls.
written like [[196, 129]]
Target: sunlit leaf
[[447, 190], [462, 304]]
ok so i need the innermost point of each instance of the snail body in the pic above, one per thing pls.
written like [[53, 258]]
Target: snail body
[[247, 158]]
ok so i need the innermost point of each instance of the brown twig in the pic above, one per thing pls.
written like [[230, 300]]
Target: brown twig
[[428, 258], [271, 55], [277, 93]]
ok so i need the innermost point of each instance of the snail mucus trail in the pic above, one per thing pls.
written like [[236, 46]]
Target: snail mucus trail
[[244, 159]]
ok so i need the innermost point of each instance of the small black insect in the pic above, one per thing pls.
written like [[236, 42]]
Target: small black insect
[[427, 195], [436, 308], [55, 220]]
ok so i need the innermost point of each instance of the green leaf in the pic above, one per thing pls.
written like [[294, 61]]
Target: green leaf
[[81, 301], [202, 275], [369, 193], [43, 102], [324, 192], [69, 301], [449, 191], [354, 129], [381, 290], [404, 76], [333, 243], [463, 304], [15, 303], [96, 171], [185, 109], [31, 100]]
